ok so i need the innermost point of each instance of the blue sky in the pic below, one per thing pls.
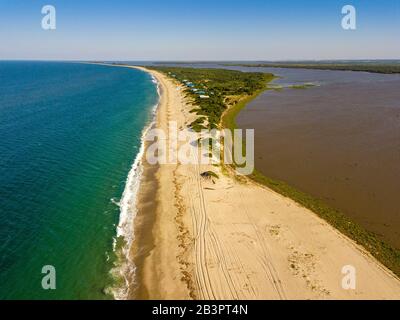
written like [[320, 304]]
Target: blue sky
[[201, 30]]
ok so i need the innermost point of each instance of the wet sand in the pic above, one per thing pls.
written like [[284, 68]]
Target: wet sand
[[339, 142], [231, 239], [144, 222]]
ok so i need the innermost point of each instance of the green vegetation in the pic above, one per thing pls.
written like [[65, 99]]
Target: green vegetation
[[215, 90], [231, 95], [209, 174], [197, 125], [386, 254], [302, 86], [383, 252], [383, 67], [229, 117]]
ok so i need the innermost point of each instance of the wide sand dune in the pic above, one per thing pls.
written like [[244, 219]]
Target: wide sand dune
[[233, 239]]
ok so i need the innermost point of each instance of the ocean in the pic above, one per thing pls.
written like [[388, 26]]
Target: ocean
[[70, 134]]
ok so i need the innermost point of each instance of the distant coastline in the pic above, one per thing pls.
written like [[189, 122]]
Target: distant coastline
[[381, 250], [373, 67], [158, 213], [174, 223]]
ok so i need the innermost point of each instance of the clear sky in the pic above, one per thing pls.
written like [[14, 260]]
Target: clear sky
[[199, 30]]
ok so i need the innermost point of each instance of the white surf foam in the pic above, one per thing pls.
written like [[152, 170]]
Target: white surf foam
[[125, 267]]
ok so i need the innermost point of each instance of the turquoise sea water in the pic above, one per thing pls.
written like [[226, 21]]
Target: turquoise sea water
[[69, 136]]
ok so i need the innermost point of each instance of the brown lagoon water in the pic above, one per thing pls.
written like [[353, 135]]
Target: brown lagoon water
[[339, 141]]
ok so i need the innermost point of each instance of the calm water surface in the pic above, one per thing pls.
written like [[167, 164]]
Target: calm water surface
[[69, 135], [339, 141]]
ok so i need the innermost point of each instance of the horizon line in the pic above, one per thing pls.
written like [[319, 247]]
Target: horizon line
[[201, 61]]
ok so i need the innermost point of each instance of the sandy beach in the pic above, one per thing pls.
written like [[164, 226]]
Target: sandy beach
[[235, 239]]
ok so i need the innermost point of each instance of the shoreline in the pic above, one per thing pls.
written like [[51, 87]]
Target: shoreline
[[191, 280], [167, 245], [154, 268], [130, 225], [384, 252], [391, 68]]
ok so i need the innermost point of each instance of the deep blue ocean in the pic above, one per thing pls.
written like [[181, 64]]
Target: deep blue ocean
[[69, 134]]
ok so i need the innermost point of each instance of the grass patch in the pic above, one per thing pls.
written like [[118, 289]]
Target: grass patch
[[383, 252], [302, 86], [212, 91], [210, 174], [374, 67], [226, 83]]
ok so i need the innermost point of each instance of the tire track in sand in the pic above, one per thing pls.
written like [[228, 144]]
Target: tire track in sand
[[208, 245]]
